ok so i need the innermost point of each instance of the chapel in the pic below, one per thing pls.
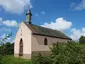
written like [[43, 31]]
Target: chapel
[[32, 39]]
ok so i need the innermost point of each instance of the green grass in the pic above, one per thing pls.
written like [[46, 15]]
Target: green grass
[[10, 59]]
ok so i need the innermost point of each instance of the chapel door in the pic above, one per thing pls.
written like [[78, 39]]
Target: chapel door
[[21, 48]]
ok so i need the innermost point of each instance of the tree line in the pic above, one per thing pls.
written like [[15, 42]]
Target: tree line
[[6, 48]]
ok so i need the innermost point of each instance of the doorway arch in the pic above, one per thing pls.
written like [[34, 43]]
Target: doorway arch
[[21, 48]]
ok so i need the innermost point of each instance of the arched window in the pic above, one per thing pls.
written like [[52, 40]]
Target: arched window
[[21, 48], [45, 41]]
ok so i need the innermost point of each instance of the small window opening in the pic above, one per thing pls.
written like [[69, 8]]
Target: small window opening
[[45, 41]]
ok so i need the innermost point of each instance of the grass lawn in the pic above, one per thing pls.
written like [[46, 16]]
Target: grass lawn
[[10, 59]]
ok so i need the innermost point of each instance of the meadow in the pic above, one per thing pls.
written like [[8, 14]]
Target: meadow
[[10, 59]]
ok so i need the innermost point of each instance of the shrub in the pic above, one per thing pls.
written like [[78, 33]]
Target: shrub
[[69, 53], [39, 59]]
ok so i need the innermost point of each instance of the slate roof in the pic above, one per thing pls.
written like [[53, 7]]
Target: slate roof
[[38, 30]]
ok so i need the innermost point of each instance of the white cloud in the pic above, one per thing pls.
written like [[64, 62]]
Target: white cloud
[[63, 25], [43, 12], [15, 6], [80, 6], [60, 24], [76, 33], [10, 23]]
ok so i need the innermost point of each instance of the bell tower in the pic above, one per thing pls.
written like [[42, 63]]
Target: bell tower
[[28, 17]]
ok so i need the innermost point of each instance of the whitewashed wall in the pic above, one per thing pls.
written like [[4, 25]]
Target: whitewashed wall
[[26, 37]]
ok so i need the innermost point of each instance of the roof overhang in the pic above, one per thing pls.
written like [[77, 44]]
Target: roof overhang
[[51, 36]]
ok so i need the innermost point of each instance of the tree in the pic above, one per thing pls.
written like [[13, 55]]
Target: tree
[[2, 41], [8, 48], [82, 39]]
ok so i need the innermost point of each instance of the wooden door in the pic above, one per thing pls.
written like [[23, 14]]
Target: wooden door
[[21, 48]]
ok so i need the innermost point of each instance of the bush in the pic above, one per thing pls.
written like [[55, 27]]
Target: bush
[[69, 53], [39, 59]]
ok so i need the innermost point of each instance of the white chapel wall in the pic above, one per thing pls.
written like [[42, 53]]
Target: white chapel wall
[[25, 33]]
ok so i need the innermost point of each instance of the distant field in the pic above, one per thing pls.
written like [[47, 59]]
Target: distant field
[[10, 59]]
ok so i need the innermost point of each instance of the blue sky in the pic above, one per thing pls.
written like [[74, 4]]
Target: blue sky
[[67, 16]]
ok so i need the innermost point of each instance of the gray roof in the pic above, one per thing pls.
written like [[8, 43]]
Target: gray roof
[[38, 30]]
